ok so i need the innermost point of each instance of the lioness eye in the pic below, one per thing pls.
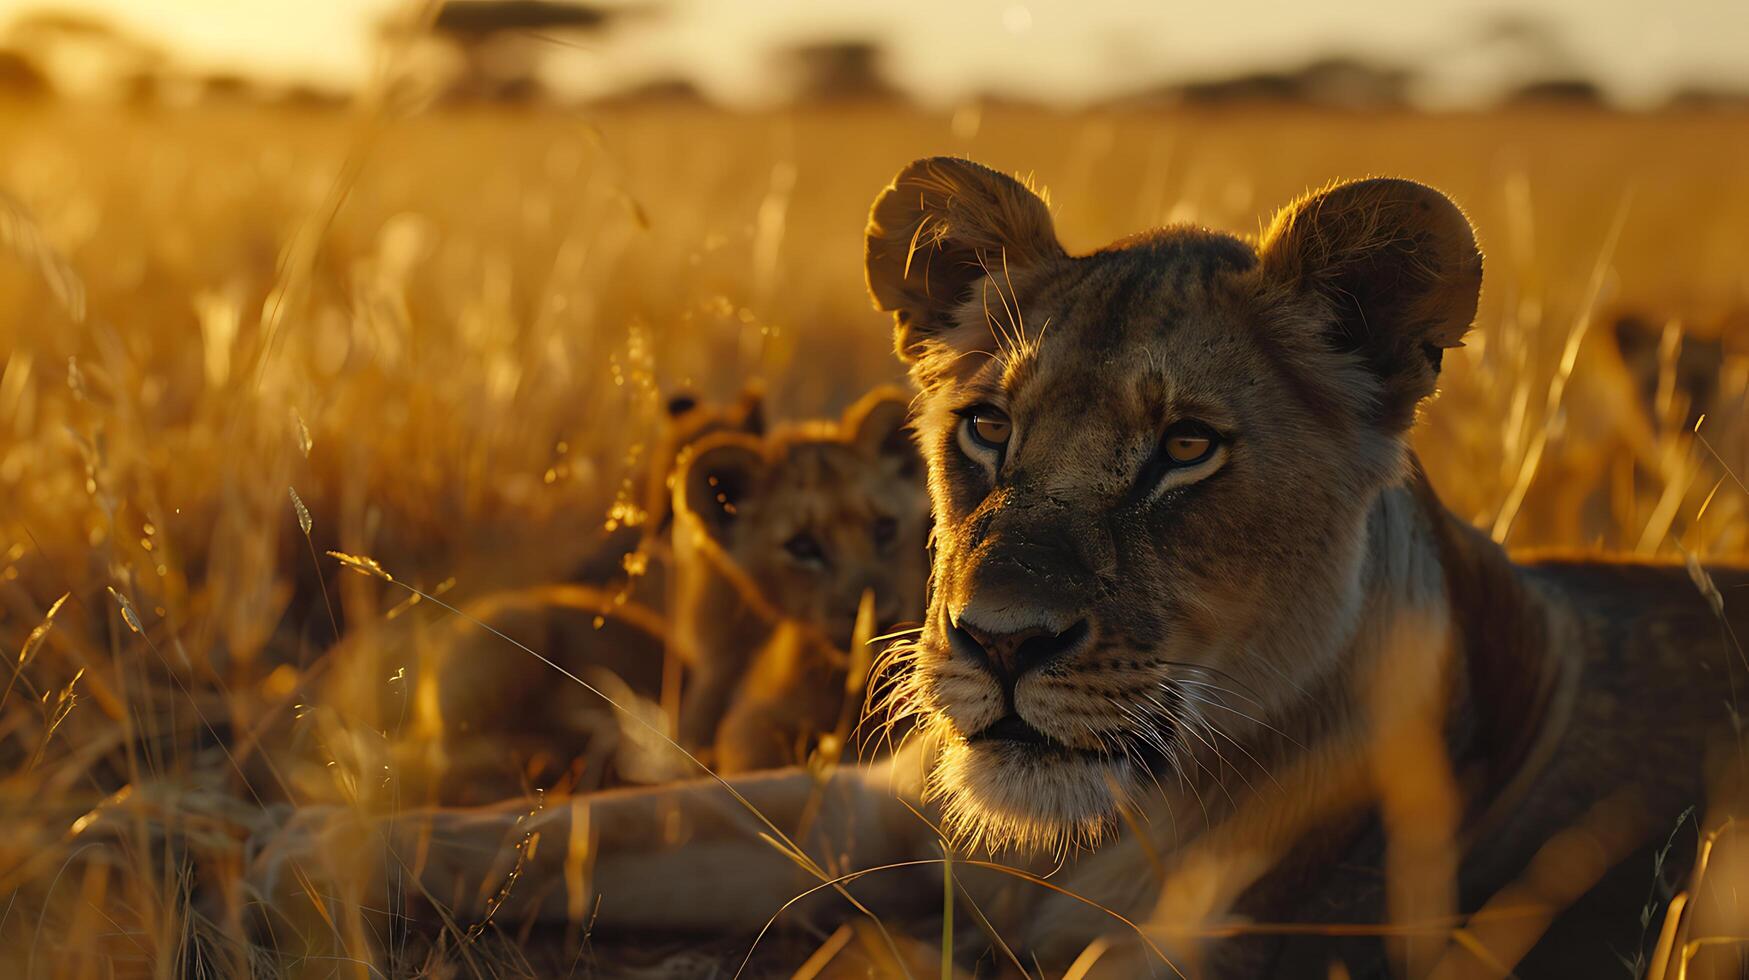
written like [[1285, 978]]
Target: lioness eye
[[803, 547], [989, 427], [1188, 442]]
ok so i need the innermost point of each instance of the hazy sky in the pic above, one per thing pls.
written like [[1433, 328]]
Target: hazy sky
[[1066, 49]]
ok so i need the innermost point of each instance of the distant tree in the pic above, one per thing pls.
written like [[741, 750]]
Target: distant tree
[[20, 78], [141, 87], [501, 44], [305, 96], [227, 86], [474, 21], [1709, 97], [836, 72], [520, 89], [1571, 92], [666, 90], [1335, 81], [1260, 86], [1347, 82], [64, 44]]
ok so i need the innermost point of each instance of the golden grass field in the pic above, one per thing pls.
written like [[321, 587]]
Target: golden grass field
[[450, 335]]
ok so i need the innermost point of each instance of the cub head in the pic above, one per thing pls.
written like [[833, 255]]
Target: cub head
[[1151, 469], [810, 517]]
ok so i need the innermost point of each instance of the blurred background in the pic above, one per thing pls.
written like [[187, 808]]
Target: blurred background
[[437, 267], [1359, 54]]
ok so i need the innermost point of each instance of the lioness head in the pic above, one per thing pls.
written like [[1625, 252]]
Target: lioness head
[[1151, 469]]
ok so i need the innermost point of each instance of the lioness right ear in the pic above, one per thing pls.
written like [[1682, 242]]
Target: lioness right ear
[[943, 225], [1395, 267], [719, 476]]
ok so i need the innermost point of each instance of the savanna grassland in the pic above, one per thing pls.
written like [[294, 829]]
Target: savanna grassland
[[235, 339]]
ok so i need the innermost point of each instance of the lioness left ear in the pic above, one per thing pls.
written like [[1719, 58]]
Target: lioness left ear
[[941, 227], [1395, 265], [878, 423]]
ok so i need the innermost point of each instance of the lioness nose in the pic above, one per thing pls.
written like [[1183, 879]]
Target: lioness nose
[[1010, 654]]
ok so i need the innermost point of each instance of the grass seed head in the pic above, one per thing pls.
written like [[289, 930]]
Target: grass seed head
[[362, 564], [304, 522], [128, 614]]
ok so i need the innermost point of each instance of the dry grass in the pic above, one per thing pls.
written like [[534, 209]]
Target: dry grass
[[448, 335]]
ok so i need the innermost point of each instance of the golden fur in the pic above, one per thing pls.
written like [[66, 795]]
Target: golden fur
[[1278, 684]]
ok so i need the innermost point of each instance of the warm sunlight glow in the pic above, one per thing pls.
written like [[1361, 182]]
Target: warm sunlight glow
[[1086, 488]]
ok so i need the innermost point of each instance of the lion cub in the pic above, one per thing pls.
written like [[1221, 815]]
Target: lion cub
[[746, 604]]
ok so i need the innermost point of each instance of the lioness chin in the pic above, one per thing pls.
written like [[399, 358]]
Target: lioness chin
[[1200, 635]]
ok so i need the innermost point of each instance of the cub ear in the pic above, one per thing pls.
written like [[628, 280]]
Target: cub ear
[[719, 477], [940, 227], [1395, 265], [748, 415], [680, 403], [878, 425]]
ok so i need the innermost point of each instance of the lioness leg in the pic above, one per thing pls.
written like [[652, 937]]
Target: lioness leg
[[689, 857]]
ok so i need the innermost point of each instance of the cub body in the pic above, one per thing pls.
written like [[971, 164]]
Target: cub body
[[714, 586]]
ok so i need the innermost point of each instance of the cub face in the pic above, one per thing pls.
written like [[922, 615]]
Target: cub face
[[1151, 469], [812, 517]]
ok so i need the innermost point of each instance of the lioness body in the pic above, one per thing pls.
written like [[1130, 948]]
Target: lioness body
[[1581, 696], [1201, 637]]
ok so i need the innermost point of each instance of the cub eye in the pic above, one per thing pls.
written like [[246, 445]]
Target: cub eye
[[885, 530], [803, 548], [989, 427], [1188, 442]]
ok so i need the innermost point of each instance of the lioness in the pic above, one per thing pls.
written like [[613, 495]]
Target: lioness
[[1201, 639]]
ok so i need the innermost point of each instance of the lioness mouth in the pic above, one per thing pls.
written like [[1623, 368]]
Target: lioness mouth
[[1016, 732], [1013, 728]]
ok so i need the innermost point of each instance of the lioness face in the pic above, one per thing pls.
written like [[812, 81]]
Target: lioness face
[[1151, 470]]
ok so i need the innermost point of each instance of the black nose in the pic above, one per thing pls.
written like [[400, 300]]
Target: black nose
[[1010, 655]]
